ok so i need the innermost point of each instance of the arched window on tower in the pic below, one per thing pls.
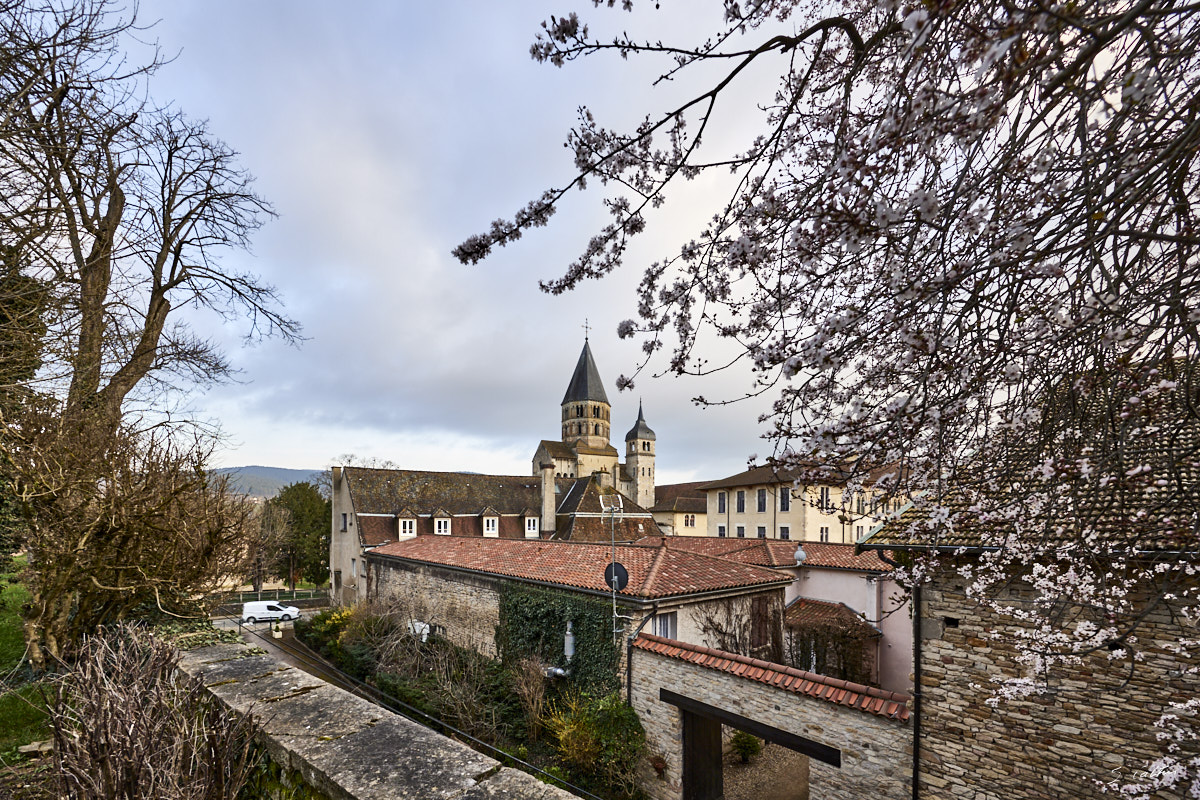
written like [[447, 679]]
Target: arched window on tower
[[597, 430]]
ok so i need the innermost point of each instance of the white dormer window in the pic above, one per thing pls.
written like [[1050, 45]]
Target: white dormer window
[[441, 525], [531, 527], [491, 527], [408, 527]]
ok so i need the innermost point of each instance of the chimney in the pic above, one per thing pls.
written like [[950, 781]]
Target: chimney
[[549, 501], [603, 478]]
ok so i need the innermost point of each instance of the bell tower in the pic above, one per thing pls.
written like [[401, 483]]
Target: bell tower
[[639, 460], [586, 412]]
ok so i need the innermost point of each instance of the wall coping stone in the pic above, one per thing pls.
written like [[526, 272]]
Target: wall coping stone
[[346, 747]]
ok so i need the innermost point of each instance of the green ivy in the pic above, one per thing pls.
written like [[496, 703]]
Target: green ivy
[[533, 621]]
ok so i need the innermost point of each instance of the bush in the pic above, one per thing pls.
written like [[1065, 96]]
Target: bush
[[745, 745], [600, 741], [128, 724]]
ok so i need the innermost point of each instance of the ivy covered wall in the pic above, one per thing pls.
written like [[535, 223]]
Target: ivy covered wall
[[533, 621]]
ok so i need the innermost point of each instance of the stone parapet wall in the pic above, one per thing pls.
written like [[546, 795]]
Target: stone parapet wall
[[876, 752], [1094, 725], [345, 748]]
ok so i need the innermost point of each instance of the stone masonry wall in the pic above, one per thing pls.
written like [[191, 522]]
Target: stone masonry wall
[[1096, 724], [465, 606], [876, 752]]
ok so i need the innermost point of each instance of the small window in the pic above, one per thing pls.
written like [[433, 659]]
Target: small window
[[824, 533], [344, 518], [491, 527], [762, 531], [720, 503], [741, 502], [689, 520], [646, 446], [531, 527], [666, 625], [785, 499], [862, 504], [408, 527], [597, 428], [858, 531], [579, 411], [762, 501], [721, 531], [741, 531], [785, 532], [441, 525], [823, 501], [354, 566]]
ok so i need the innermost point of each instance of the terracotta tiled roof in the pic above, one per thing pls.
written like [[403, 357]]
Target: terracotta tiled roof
[[583, 496], [654, 572], [387, 491], [778, 553], [557, 449], [685, 498], [804, 612], [374, 531], [868, 699], [807, 475]]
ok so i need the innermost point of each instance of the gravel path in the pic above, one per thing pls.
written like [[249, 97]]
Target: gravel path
[[775, 774]]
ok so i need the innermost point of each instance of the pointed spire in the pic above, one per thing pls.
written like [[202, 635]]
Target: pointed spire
[[585, 383], [640, 430]]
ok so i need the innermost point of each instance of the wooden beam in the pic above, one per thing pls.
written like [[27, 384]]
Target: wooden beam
[[821, 752]]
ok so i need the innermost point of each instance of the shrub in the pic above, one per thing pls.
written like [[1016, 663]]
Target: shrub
[[745, 745], [601, 742], [128, 724]]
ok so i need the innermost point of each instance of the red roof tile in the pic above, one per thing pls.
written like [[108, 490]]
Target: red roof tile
[[844, 693], [804, 612], [654, 572], [777, 553], [374, 531]]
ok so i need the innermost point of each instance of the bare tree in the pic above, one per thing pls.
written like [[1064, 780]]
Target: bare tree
[[121, 211], [962, 241]]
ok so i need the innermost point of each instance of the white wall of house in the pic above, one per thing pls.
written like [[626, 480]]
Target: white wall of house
[[876, 598]]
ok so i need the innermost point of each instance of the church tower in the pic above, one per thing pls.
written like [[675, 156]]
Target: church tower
[[639, 460], [586, 412]]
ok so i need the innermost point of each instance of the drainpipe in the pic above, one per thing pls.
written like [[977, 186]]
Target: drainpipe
[[629, 652], [916, 693]]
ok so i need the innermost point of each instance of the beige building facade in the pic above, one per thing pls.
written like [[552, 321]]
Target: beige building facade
[[770, 503]]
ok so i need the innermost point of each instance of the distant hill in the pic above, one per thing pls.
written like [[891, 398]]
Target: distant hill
[[265, 481]]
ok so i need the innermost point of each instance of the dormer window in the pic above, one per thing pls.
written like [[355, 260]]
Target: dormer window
[[491, 527], [441, 526], [531, 528], [408, 527]]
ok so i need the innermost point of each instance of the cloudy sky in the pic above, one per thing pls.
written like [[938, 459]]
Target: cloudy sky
[[383, 136]]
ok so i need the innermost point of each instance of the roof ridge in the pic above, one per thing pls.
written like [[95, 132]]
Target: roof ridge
[[655, 567]]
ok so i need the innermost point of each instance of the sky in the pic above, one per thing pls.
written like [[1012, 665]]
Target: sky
[[385, 133]]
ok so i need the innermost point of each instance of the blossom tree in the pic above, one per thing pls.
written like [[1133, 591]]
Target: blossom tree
[[961, 241]]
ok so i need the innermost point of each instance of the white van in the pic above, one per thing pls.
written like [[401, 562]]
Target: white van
[[260, 610]]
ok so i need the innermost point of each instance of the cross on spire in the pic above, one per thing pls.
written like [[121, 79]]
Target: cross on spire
[[586, 328]]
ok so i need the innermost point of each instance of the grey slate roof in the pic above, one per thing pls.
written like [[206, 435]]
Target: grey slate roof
[[640, 430], [585, 383]]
